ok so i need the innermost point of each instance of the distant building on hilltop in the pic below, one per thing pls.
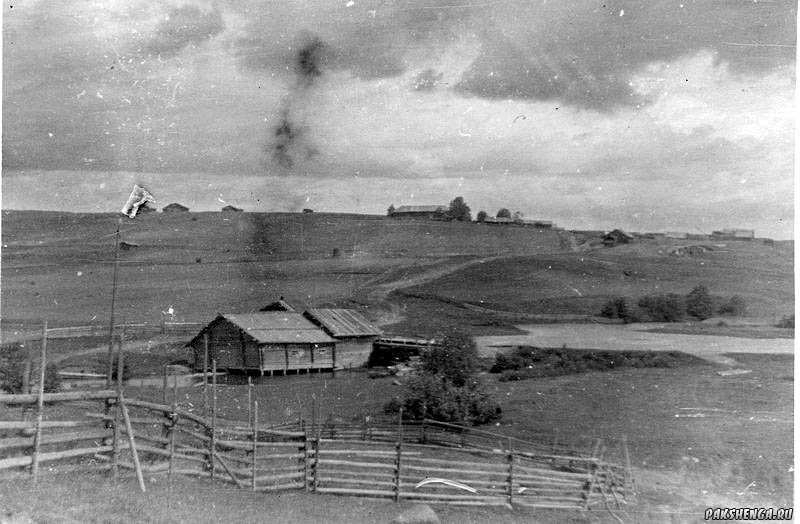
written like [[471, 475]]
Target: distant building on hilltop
[[734, 234], [617, 236], [425, 212], [232, 209], [175, 208]]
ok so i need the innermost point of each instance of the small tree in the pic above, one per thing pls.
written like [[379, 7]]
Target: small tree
[[445, 388], [699, 303], [617, 307], [504, 213], [481, 216], [735, 305], [391, 210], [459, 210], [454, 359]]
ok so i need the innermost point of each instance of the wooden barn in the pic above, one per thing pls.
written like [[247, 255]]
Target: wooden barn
[[424, 212], [353, 333], [265, 342]]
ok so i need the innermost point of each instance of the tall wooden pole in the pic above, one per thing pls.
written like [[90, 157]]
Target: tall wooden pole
[[213, 415], [109, 379], [255, 442], [37, 439], [117, 411]]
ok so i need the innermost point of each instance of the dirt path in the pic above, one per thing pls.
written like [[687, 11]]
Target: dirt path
[[377, 293], [634, 337]]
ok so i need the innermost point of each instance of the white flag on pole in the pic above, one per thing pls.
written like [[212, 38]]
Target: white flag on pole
[[139, 197]]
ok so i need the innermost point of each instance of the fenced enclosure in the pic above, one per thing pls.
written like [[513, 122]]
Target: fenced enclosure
[[423, 461]]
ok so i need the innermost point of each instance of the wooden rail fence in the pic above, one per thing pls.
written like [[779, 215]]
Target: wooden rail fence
[[402, 462]]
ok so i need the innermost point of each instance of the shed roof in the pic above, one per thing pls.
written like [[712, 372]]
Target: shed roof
[[343, 322], [420, 209], [280, 327]]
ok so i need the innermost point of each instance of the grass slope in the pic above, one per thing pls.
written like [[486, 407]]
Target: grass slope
[[579, 283], [59, 265]]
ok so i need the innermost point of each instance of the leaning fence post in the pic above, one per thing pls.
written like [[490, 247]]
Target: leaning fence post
[[37, 439], [117, 412], [132, 441], [255, 440], [213, 415], [510, 474]]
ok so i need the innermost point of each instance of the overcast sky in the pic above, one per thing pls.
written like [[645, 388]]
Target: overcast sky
[[646, 115]]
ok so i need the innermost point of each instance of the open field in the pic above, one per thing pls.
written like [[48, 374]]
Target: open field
[[59, 265]]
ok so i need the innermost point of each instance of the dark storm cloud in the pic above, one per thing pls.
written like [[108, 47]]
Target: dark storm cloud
[[584, 54], [185, 25], [370, 40]]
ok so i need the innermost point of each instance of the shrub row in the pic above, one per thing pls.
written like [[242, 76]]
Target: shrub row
[[529, 362], [671, 307]]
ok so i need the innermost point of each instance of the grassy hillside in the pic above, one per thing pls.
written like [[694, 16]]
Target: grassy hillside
[[579, 283], [59, 265]]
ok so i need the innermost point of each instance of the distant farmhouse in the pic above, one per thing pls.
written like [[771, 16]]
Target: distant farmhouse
[[175, 208], [278, 305], [267, 342], [307, 210], [232, 209], [353, 333], [504, 221], [425, 212], [144, 208], [734, 234], [617, 236]]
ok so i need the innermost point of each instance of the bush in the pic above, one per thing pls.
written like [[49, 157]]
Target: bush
[[617, 307], [735, 305], [428, 396], [528, 362], [786, 322], [699, 303], [663, 308], [454, 358], [481, 216]]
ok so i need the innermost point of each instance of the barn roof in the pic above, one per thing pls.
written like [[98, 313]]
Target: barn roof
[[420, 209], [280, 327], [343, 322]]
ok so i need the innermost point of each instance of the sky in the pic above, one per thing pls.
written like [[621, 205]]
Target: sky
[[649, 115]]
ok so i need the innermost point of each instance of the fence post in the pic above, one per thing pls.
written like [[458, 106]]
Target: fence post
[[37, 439], [628, 472], [424, 439], [255, 441], [205, 374], [399, 449], [249, 397], [510, 474], [164, 386], [316, 457], [117, 411], [213, 416], [305, 457], [173, 429]]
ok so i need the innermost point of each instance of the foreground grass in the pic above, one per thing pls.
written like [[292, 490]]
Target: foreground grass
[[95, 497]]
